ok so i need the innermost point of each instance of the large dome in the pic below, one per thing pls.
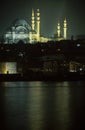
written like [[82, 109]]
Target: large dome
[[21, 22]]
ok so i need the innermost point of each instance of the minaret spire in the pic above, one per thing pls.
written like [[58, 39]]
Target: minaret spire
[[33, 20], [58, 30], [38, 25], [65, 29]]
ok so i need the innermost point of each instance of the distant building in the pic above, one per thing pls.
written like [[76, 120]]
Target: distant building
[[21, 30]]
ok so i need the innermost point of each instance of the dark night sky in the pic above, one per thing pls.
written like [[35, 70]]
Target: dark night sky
[[52, 11]]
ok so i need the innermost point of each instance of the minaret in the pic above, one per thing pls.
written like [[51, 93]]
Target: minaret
[[58, 30], [38, 25], [33, 20], [65, 29]]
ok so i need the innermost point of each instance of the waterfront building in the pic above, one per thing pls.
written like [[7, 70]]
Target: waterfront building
[[8, 68]]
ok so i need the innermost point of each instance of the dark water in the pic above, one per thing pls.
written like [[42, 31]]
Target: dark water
[[42, 105]]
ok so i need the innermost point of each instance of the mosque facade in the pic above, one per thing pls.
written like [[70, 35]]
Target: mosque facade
[[19, 30], [22, 31]]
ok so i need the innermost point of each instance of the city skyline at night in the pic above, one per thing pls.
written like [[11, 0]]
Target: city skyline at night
[[51, 13]]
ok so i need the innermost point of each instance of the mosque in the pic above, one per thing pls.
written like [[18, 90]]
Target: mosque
[[22, 31]]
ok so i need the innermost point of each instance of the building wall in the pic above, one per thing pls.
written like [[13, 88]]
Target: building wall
[[8, 68]]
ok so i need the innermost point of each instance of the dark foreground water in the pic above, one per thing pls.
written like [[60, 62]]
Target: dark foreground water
[[42, 106]]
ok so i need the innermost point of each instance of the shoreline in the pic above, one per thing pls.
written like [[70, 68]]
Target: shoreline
[[38, 76]]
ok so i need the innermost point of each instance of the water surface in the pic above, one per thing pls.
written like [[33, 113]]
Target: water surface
[[42, 105]]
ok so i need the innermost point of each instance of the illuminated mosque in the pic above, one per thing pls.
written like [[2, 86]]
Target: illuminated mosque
[[22, 31]]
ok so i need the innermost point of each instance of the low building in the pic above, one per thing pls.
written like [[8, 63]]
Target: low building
[[8, 68]]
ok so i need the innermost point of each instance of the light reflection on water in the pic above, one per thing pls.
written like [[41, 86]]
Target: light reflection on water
[[42, 105], [62, 105]]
